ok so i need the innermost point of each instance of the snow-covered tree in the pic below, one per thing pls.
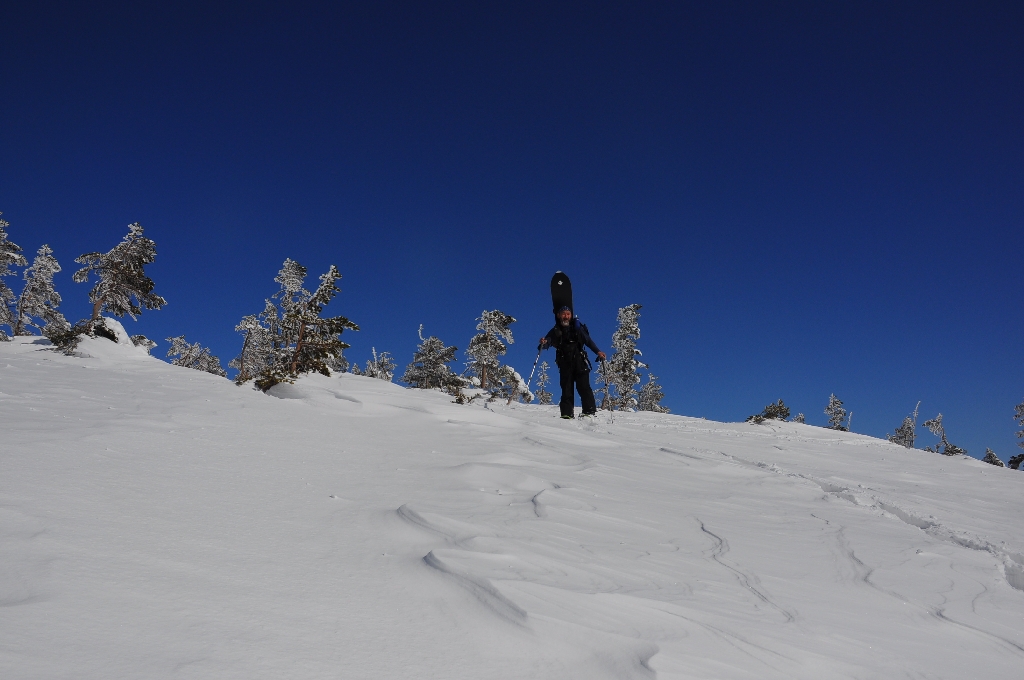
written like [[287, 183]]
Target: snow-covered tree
[[122, 286], [776, 411], [10, 256], [38, 304], [354, 369], [622, 370], [144, 342], [651, 395], [991, 458], [543, 380], [381, 366], [944, 447], [429, 368], [290, 338], [1015, 461], [1018, 415], [486, 347], [507, 384], [194, 356], [257, 353], [906, 433], [836, 414]]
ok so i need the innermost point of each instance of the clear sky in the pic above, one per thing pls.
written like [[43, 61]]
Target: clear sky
[[806, 198]]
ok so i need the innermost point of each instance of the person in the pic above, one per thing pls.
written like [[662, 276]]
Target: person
[[569, 337]]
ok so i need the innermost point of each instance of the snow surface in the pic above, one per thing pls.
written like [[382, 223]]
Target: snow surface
[[156, 521]]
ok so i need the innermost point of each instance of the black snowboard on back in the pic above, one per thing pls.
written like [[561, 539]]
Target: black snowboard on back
[[561, 293]]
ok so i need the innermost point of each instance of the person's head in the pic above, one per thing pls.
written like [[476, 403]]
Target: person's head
[[564, 316]]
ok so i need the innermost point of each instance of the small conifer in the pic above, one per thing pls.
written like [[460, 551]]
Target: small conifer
[[991, 458], [381, 366], [623, 367], [38, 304], [906, 433], [429, 368], [10, 256], [543, 380], [836, 414], [651, 395], [486, 347], [936, 427]]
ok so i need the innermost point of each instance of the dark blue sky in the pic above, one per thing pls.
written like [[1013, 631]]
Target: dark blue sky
[[806, 197]]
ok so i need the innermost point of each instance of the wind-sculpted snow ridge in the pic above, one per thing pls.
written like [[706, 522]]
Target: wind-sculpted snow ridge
[[157, 521]]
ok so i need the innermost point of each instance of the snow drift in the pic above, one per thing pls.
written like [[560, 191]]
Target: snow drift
[[157, 521]]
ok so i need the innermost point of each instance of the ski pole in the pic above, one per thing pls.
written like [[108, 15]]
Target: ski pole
[[539, 350]]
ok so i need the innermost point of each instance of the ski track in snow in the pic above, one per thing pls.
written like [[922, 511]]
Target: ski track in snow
[[159, 522]]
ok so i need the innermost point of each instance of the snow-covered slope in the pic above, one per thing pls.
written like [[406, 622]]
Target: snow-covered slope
[[161, 522]]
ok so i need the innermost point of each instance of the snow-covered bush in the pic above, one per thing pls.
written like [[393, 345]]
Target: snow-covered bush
[[429, 367], [776, 411], [800, 418], [1015, 461], [991, 458], [906, 433], [381, 366], [651, 395], [144, 342], [944, 447], [194, 356]]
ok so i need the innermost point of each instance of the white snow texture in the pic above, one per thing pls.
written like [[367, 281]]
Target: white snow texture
[[160, 522]]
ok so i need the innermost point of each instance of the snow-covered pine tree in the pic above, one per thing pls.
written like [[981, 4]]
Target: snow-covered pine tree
[[906, 433], [623, 368], [486, 347], [991, 458], [10, 256], [543, 380], [1018, 415], [936, 427], [123, 287], [651, 395], [776, 411], [300, 340], [836, 414], [354, 369], [429, 368], [38, 304], [381, 366], [507, 384], [194, 356], [1015, 461], [800, 418]]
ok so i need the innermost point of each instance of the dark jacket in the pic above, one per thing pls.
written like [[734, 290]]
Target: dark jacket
[[569, 343]]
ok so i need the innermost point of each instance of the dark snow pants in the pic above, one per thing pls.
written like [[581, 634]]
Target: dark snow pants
[[567, 378]]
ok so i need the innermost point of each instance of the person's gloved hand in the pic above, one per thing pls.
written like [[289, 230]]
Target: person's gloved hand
[[543, 341], [600, 356]]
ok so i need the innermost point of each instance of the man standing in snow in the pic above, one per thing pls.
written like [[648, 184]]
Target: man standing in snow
[[569, 337]]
